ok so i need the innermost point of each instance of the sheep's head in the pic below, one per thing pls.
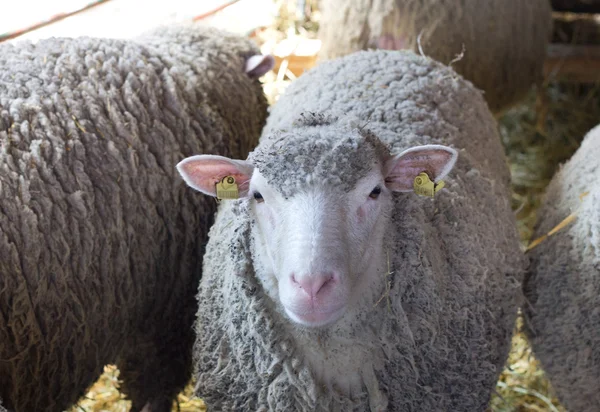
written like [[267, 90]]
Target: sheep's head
[[321, 201]]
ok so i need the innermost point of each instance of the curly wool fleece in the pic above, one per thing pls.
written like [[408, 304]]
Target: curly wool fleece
[[100, 241], [440, 338], [562, 287]]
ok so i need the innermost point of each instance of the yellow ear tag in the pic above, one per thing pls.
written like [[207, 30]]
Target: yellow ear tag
[[423, 185], [227, 188]]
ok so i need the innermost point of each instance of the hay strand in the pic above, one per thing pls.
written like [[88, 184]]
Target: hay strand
[[564, 223]]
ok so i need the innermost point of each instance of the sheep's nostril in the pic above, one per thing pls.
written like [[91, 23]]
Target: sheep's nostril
[[314, 283]]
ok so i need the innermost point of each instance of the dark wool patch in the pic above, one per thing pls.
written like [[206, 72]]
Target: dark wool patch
[[101, 242], [562, 287], [440, 339]]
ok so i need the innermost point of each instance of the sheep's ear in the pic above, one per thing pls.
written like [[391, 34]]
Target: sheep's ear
[[400, 170], [259, 64], [203, 172]]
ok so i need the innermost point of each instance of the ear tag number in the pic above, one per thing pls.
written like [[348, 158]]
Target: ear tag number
[[227, 188], [423, 185]]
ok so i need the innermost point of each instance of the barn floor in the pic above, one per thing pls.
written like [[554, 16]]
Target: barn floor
[[535, 134]]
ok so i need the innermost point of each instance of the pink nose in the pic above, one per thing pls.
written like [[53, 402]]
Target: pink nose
[[313, 284]]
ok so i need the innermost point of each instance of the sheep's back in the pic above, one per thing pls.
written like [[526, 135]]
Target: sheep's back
[[405, 99], [501, 44], [562, 287]]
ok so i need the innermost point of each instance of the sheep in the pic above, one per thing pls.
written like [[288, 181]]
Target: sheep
[[498, 45], [562, 286], [322, 289], [100, 242]]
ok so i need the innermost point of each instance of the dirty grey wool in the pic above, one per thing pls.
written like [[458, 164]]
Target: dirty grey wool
[[443, 333], [562, 287], [100, 241]]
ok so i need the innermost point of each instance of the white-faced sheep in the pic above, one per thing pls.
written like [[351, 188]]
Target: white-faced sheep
[[330, 285], [100, 242], [499, 45], [562, 287]]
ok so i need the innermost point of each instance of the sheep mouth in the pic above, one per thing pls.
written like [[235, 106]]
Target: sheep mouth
[[315, 317]]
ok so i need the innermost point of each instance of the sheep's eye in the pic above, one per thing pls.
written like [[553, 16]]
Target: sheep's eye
[[375, 192], [258, 197]]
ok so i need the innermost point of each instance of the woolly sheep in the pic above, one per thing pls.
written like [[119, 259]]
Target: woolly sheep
[[504, 41], [100, 242], [322, 289], [562, 287]]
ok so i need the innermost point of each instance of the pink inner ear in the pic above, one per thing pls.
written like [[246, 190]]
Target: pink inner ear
[[203, 174], [436, 161]]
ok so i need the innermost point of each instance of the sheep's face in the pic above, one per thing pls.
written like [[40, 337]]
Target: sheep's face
[[319, 249], [316, 248]]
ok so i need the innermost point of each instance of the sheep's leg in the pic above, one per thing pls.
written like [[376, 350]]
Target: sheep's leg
[[156, 405], [157, 363], [150, 389], [154, 374]]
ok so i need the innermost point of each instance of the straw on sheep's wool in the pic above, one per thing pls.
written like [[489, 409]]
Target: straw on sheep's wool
[[499, 45], [441, 340], [100, 241], [562, 287]]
